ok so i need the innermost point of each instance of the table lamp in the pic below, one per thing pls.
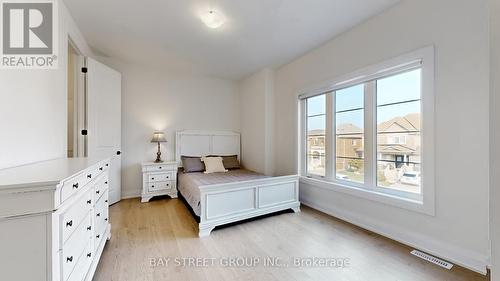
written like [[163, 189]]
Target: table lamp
[[158, 137]]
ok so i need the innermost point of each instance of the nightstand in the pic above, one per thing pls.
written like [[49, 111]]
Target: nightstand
[[159, 179]]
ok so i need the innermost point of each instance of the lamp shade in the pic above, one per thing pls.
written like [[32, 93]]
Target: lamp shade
[[158, 137]]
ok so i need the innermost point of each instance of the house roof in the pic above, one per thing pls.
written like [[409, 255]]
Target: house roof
[[348, 128], [317, 132], [407, 123], [410, 122]]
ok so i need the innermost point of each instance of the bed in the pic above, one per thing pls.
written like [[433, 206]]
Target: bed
[[222, 198]]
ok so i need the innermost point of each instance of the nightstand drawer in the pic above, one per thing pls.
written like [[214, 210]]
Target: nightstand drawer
[[155, 186], [161, 177], [161, 167]]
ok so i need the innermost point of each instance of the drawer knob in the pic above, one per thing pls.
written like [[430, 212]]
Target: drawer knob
[[89, 255], [69, 259], [89, 202], [89, 176], [106, 219], [97, 236], [98, 214], [107, 165], [152, 178], [100, 169], [106, 200], [70, 223], [167, 177], [160, 167], [89, 227], [75, 185], [167, 184], [105, 182], [97, 192]]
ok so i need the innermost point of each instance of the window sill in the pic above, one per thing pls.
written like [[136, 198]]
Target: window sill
[[425, 206]]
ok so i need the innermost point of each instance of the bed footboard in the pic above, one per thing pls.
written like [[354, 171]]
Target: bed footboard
[[230, 202]]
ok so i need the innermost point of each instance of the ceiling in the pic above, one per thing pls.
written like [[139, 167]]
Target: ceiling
[[257, 33]]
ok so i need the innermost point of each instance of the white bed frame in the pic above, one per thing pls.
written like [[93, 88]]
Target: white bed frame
[[235, 201]]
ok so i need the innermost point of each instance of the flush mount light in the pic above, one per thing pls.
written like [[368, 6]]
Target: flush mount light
[[212, 19]]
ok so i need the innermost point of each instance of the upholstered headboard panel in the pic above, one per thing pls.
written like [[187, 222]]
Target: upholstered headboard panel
[[202, 143]]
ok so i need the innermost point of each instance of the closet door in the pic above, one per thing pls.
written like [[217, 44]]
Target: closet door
[[104, 120]]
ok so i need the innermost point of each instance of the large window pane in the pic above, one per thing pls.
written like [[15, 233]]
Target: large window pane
[[349, 98], [316, 105], [399, 88], [349, 139], [316, 139], [398, 132]]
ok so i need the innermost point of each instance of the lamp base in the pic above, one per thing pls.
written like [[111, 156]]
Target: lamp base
[[158, 155]]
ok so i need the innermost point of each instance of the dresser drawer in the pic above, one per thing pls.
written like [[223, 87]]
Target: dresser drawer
[[155, 186], [156, 177], [73, 248], [102, 213], [71, 219], [83, 265], [160, 167], [101, 186], [71, 186], [99, 235]]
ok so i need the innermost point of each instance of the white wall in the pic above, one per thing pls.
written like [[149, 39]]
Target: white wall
[[257, 121], [154, 99], [33, 105], [495, 138], [459, 31]]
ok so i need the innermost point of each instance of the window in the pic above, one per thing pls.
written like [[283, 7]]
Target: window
[[365, 132], [316, 127], [349, 124], [398, 130]]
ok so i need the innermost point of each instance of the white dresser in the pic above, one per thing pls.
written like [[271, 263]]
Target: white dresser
[[159, 179], [54, 219]]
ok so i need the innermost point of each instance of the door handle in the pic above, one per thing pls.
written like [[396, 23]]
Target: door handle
[[118, 152]]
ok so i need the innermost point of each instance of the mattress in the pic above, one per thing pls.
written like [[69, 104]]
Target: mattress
[[189, 183]]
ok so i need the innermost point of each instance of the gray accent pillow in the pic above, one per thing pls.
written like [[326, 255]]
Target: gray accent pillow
[[229, 161], [192, 164]]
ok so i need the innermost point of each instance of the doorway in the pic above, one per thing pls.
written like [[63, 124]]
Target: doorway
[[76, 103]]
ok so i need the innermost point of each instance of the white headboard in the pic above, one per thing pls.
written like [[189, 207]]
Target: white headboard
[[202, 143]]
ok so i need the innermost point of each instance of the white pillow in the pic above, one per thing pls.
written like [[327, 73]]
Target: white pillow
[[213, 165]]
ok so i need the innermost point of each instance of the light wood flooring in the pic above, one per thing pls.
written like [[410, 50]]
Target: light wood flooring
[[164, 229]]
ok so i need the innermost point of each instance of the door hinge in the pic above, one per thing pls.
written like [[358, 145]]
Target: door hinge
[[84, 69]]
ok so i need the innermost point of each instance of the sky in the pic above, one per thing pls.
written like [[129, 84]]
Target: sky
[[398, 88]]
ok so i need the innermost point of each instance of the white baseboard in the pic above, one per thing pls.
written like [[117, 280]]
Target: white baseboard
[[471, 260], [130, 196]]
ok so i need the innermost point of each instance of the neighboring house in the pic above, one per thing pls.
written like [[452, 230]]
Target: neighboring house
[[398, 144], [349, 147], [316, 151]]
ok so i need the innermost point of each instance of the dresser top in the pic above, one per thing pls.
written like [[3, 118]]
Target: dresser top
[[45, 173]]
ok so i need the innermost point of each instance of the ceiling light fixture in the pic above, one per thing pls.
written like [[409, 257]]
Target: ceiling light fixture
[[212, 19]]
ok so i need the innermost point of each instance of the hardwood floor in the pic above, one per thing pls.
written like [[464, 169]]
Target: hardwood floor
[[164, 228]]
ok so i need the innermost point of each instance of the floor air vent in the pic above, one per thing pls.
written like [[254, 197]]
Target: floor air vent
[[432, 259]]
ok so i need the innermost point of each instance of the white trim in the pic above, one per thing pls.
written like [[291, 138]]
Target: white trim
[[373, 194], [424, 202], [131, 196], [462, 257]]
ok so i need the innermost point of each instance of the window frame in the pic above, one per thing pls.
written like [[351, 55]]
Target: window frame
[[425, 201]]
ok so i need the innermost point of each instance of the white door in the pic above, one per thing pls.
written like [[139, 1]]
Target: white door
[[104, 120]]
